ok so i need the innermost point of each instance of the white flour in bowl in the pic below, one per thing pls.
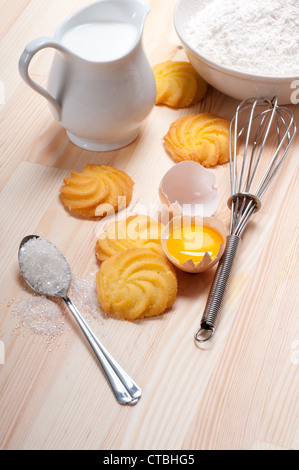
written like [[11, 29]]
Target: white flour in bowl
[[252, 36]]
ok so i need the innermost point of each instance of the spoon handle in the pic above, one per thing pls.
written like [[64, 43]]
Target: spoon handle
[[125, 390]]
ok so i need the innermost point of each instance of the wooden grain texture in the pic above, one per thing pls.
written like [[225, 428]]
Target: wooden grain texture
[[240, 391]]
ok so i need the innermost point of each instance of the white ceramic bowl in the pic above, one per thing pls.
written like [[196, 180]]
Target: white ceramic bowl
[[238, 85]]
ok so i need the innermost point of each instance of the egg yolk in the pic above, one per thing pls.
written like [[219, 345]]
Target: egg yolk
[[192, 242]]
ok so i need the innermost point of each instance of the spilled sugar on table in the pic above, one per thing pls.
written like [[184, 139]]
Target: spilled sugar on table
[[239, 391]]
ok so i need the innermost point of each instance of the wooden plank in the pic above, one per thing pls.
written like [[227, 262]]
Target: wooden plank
[[238, 392]]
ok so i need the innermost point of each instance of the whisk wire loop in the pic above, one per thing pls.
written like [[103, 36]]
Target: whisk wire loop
[[271, 117]]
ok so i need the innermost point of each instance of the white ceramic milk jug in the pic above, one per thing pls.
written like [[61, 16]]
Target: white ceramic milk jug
[[101, 86]]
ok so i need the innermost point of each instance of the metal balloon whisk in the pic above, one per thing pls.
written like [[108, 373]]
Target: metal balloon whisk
[[252, 168]]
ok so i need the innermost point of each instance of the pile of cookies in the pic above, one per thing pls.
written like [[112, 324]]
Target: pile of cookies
[[135, 279]]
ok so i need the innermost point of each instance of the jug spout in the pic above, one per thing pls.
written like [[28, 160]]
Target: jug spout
[[136, 11], [144, 10]]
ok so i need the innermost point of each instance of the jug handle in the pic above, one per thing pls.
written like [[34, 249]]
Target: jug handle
[[30, 50]]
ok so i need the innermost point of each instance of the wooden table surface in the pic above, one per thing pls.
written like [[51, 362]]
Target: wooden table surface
[[240, 391]]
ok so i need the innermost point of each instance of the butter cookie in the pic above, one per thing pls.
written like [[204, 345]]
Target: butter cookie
[[178, 84], [97, 190], [203, 138], [136, 283], [134, 231]]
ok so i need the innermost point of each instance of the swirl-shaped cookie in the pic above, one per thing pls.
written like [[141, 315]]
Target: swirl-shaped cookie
[[203, 138], [178, 84], [134, 231], [136, 283], [97, 190]]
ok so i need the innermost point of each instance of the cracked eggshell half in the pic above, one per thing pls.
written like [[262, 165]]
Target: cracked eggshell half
[[188, 189], [207, 262]]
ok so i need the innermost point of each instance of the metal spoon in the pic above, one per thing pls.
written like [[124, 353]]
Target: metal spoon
[[126, 391]]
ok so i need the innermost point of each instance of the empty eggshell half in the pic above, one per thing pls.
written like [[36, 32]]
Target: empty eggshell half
[[188, 188], [206, 262]]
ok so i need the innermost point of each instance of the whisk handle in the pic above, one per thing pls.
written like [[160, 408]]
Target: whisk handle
[[217, 291]]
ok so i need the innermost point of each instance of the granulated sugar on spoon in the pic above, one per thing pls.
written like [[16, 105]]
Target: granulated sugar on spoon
[[47, 272]]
